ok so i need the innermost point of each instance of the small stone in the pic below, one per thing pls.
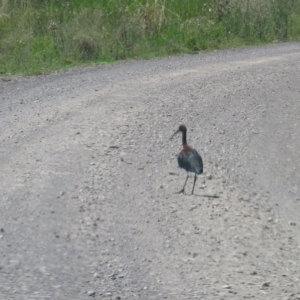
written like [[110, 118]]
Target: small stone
[[292, 223], [192, 207], [253, 273], [209, 177], [226, 287], [1, 230], [91, 293], [266, 284]]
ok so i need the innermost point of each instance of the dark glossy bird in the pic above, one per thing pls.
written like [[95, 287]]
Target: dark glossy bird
[[188, 158]]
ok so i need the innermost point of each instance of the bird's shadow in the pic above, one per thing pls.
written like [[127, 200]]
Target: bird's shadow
[[198, 195], [208, 196]]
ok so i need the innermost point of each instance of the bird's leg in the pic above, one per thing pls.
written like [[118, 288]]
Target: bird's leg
[[187, 177], [195, 179]]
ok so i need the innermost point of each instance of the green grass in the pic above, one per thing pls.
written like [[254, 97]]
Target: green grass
[[38, 36]]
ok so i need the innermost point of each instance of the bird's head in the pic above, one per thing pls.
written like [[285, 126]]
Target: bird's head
[[181, 128]]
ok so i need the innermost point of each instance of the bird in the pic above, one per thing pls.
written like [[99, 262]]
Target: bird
[[188, 158]]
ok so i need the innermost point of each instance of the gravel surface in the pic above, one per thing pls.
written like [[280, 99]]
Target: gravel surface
[[89, 176]]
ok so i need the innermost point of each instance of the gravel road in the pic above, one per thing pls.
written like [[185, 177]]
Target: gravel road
[[89, 176]]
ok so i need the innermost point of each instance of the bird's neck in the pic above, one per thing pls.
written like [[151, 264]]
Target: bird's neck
[[184, 138]]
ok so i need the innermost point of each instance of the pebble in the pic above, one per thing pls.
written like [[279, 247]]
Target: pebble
[[266, 284], [91, 293], [226, 287], [192, 207]]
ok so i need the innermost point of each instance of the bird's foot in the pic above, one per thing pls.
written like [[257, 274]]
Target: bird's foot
[[180, 192]]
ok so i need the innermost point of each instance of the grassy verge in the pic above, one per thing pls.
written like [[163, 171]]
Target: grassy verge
[[38, 36]]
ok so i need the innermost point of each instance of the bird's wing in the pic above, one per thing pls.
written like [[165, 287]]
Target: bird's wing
[[195, 162]]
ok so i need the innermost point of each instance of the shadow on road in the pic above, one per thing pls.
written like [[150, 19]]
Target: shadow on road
[[209, 196]]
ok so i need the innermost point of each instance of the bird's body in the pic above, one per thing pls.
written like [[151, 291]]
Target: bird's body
[[188, 158]]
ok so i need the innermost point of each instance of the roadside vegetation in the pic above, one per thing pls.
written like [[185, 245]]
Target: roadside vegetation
[[38, 36]]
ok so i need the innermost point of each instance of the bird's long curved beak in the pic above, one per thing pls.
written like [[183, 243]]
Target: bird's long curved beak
[[174, 134]]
